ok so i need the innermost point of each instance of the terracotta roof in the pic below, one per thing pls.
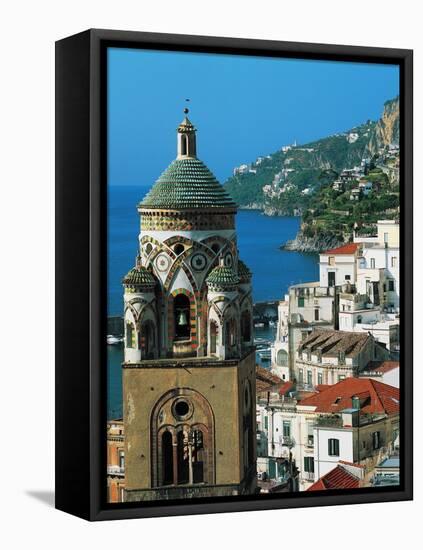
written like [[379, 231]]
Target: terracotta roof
[[375, 397], [285, 388], [265, 380], [338, 478], [331, 342], [349, 248], [322, 387]]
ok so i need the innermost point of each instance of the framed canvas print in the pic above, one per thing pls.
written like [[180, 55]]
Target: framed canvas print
[[234, 247]]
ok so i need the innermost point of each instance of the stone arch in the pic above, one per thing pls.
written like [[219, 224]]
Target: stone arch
[[192, 435], [192, 317]]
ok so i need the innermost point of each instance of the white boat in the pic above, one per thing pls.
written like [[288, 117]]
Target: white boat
[[113, 340]]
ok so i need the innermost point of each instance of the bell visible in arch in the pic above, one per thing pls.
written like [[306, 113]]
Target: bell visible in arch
[[182, 319]]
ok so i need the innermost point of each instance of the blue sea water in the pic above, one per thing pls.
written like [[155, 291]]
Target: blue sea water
[[259, 240]]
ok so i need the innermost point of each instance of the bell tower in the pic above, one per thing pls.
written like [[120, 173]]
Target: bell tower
[[186, 139], [189, 364]]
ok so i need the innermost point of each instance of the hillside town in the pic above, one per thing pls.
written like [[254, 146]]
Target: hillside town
[[327, 410], [328, 416], [322, 412]]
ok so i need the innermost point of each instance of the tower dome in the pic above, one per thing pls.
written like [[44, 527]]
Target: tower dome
[[222, 278], [139, 277], [187, 195]]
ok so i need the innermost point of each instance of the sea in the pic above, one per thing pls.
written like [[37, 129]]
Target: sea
[[259, 241]]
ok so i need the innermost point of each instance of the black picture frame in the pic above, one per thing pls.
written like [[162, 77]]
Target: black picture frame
[[81, 180]]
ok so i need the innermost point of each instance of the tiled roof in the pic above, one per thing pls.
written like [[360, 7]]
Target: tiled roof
[[375, 397], [338, 478], [139, 276], [285, 388], [222, 276], [265, 380], [187, 183], [243, 272], [349, 248], [331, 342]]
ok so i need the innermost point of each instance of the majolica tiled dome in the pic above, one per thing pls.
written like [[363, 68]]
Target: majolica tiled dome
[[222, 276], [243, 272], [187, 183], [139, 276]]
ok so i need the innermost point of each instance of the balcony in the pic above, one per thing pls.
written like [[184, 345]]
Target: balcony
[[286, 440], [308, 476]]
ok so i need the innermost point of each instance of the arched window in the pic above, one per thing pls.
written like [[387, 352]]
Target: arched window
[[282, 358], [182, 457], [148, 248], [359, 319], [129, 335], [147, 339], [184, 145], [167, 458], [181, 308], [230, 333], [182, 450], [197, 441], [246, 326], [213, 336]]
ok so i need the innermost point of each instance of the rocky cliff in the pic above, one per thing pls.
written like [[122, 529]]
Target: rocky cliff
[[312, 244], [386, 131]]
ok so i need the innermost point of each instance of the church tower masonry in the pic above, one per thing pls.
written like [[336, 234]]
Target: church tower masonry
[[189, 364]]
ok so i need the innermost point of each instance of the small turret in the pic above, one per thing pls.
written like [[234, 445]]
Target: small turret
[[187, 146]]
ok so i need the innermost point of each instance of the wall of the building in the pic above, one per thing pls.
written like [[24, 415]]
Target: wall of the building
[[355, 444], [344, 265], [145, 385]]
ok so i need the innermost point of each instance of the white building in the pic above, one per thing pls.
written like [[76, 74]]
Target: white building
[[387, 372], [339, 265], [280, 348], [378, 268], [355, 421], [329, 356]]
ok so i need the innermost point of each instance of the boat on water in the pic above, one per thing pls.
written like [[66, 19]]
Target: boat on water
[[113, 340]]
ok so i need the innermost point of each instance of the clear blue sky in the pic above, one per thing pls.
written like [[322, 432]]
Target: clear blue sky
[[242, 107]]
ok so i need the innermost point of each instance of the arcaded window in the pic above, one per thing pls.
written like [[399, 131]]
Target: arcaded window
[[181, 306], [184, 145], [147, 338], [129, 335], [213, 337], [167, 458], [183, 449], [246, 326]]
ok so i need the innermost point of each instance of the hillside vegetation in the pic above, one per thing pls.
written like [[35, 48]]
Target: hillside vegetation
[[335, 183]]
